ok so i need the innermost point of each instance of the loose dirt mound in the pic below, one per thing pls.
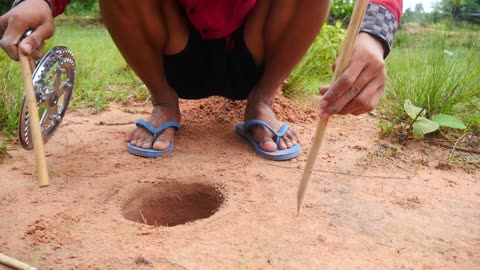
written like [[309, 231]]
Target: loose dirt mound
[[227, 111], [370, 205]]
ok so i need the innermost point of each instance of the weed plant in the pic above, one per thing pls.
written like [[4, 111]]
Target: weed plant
[[441, 75]]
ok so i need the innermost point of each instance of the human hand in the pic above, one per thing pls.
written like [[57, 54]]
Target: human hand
[[29, 14], [358, 89]]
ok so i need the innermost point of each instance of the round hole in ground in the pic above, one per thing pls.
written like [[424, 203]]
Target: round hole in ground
[[172, 204]]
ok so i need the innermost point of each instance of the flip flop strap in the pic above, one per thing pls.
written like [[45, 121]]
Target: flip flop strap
[[278, 134], [155, 131]]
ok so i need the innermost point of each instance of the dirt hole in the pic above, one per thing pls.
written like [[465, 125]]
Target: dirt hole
[[172, 204]]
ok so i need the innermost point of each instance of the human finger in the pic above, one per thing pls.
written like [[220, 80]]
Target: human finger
[[344, 89], [11, 37], [366, 101], [365, 86], [35, 40], [38, 53]]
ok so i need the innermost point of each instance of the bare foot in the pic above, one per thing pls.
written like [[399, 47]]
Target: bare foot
[[262, 110], [161, 114]]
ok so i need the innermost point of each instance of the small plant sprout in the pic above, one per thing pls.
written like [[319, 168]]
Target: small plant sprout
[[422, 125]]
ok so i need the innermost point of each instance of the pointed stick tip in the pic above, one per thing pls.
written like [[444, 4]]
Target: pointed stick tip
[[299, 209]]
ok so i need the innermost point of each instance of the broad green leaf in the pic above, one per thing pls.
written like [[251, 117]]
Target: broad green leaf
[[424, 126], [413, 110], [445, 120]]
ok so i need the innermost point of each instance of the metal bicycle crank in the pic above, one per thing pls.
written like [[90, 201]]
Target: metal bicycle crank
[[53, 80]]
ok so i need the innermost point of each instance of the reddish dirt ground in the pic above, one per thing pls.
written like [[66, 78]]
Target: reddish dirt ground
[[369, 206]]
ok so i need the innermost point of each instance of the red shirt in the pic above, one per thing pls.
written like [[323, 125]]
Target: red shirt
[[59, 6], [219, 18], [394, 6]]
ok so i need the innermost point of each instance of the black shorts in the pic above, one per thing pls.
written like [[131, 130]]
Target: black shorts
[[214, 67]]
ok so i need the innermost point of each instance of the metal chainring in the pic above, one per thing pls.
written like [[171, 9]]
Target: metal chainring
[[53, 80]]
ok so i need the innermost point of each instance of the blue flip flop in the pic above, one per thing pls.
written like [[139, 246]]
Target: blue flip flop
[[245, 130], [152, 153]]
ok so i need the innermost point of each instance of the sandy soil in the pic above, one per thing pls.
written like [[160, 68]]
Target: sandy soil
[[370, 205]]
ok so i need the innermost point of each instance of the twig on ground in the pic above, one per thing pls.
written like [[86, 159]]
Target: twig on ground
[[437, 140], [456, 143], [102, 123], [143, 103], [471, 151], [343, 173], [366, 176], [144, 220], [70, 122]]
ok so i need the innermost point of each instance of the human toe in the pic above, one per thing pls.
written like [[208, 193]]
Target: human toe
[[287, 140], [163, 142], [129, 135], [266, 142], [268, 145], [147, 143], [264, 139]]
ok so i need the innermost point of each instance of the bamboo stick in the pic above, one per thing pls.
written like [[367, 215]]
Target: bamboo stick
[[8, 261], [34, 122], [344, 60]]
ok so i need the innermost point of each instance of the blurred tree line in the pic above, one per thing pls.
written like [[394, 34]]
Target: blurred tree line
[[341, 10], [461, 10], [77, 7], [453, 10]]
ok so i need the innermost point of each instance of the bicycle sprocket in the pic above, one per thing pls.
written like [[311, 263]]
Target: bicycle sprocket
[[53, 81]]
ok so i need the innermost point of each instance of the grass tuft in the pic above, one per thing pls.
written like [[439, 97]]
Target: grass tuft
[[439, 75], [315, 68]]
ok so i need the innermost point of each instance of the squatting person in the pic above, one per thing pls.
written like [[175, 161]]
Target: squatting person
[[238, 49]]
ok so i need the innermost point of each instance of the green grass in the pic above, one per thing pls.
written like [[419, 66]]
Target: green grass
[[102, 76], [436, 67], [315, 69], [10, 95], [438, 70], [414, 36], [419, 69]]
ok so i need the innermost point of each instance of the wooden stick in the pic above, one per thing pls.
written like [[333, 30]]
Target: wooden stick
[[34, 121], [8, 261], [344, 60]]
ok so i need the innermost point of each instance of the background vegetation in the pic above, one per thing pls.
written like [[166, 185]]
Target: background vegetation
[[457, 11], [438, 70], [77, 7], [435, 64]]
